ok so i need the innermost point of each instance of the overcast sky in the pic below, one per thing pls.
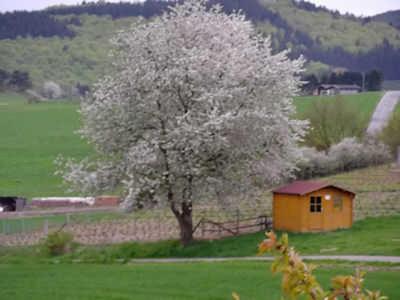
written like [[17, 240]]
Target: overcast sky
[[357, 7]]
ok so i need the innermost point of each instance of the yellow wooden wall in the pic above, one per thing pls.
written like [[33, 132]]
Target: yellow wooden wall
[[292, 212]]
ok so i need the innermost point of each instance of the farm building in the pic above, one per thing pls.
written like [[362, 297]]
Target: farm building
[[306, 206], [8, 204], [337, 89]]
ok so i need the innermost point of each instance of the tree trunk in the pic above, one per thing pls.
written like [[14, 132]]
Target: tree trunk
[[186, 229], [185, 221]]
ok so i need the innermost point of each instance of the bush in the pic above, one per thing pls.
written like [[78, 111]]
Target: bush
[[332, 121], [57, 243], [348, 155], [390, 135], [52, 90]]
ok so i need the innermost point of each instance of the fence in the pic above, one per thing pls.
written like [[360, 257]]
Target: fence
[[13, 223], [375, 204], [210, 229], [105, 227], [114, 227]]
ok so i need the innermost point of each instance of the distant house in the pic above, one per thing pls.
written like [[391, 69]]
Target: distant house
[[337, 89], [309, 206]]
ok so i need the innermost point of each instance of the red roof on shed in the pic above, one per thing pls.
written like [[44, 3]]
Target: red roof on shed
[[305, 187]]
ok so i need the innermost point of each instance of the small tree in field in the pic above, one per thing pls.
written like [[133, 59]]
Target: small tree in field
[[197, 106], [332, 120]]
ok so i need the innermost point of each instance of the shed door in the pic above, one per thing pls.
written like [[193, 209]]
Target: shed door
[[316, 216]]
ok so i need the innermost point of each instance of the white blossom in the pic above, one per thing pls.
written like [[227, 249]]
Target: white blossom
[[197, 104]]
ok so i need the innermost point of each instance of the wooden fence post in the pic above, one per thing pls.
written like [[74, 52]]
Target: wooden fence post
[[23, 225], [398, 157], [46, 227], [203, 231], [159, 226], [237, 221]]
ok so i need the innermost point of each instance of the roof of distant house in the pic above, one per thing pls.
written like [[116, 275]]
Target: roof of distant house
[[305, 187], [340, 86]]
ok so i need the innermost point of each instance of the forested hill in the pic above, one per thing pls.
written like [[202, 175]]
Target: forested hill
[[70, 43], [390, 17]]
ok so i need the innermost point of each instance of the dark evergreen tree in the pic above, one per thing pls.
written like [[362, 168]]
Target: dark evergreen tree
[[20, 80], [311, 84], [373, 80], [83, 89], [4, 77], [33, 24]]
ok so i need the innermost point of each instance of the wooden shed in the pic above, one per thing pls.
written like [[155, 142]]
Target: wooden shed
[[305, 206]]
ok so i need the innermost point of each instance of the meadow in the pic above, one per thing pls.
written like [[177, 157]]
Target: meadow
[[33, 135], [372, 236], [211, 281], [365, 103]]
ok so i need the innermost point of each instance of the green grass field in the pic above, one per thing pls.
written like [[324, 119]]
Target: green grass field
[[32, 136], [372, 236], [365, 102], [208, 281]]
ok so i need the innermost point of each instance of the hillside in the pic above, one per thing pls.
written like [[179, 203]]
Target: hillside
[[391, 17], [69, 44], [65, 60]]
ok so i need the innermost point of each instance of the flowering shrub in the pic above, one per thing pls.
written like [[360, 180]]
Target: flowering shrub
[[348, 155], [51, 90], [299, 281]]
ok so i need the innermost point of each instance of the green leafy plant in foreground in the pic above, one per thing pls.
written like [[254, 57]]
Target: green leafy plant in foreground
[[57, 243], [298, 279]]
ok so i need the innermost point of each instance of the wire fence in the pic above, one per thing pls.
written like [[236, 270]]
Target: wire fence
[[107, 227], [376, 204], [114, 227]]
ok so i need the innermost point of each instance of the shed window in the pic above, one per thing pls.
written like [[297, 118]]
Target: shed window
[[315, 204], [338, 202]]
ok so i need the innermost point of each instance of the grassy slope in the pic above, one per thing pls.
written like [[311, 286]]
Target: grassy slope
[[373, 179], [32, 136], [373, 236], [365, 102], [168, 281], [390, 17], [352, 35], [397, 110], [65, 61]]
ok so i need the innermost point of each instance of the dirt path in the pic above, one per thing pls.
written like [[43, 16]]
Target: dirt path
[[383, 111], [352, 258]]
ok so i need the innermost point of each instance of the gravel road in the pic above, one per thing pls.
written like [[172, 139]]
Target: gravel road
[[383, 112]]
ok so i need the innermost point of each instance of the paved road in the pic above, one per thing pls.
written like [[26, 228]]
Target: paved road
[[353, 258], [383, 111]]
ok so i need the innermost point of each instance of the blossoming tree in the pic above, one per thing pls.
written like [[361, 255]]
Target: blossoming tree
[[197, 105]]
